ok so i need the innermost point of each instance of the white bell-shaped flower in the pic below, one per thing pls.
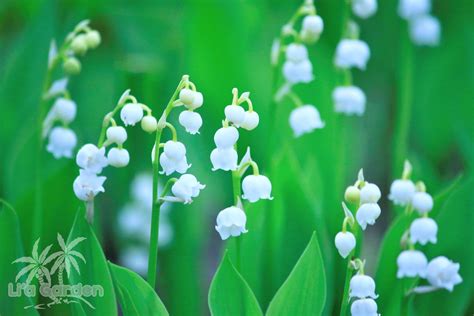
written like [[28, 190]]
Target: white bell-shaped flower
[[401, 192], [234, 114], [362, 286], [422, 202], [409, 9], [65, 110], [197, 101], [170, 165], [174, 150], [367, 214], [131, 114], [349, 100], [191, 99], [364, 307], [256, 187], [352, 53], [186, 188], [425, 30], [345, 243], [443, 273], [311, 29], [296, 72], [231, 222], [191, 121], [87, 185], [251, 120], [118, 157], [116, 134], [370, 193], [305, 119], [91, 158], [364, 8], [224, 159], [411, 263], [423, 230], [226, 137], [296, 52], [61, 142]]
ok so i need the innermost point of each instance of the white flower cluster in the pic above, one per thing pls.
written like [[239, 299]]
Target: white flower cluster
[[134, 229], [440, 272], [231, 221], [191, 99], [425, 29], [362, 288]]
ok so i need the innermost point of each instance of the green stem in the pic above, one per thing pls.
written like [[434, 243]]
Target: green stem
[[345, 296], [155, 212], [236, 192]]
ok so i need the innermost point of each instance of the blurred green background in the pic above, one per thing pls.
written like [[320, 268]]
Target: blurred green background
[[148, 45]]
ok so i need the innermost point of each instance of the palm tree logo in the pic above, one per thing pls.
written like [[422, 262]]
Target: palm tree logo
[[66, 257], [36, 265]]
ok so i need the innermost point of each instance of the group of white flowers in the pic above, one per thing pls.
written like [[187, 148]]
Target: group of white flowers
[[61, 139], [440, 272], [425, 29], [231, 221], [365, 195]]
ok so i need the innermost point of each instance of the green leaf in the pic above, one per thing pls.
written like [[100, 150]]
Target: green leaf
[[94, 272], [304, 291], [11, 249], [230, 294], [135, 295]]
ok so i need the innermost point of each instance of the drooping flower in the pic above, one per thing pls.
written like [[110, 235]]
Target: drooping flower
[[226, 137], [305, 119], [401, 192], [174, 150], [296, 72], [231, 222], [87, 185], [364, 8], [64, 110], [311, 29], [235, 114], [370, 193], [364, 307], [224, 159], [367, 214], [411, 263], [443, 273], [425, 30], [186, 188], [61, 142], [116, 134], [349, 100], [409, 9], [362, 286], [169, 165], [91, 158], [191, 121], [352, 53], [118, 157], [423, 230], [422, 202], [131, 114], [256, 187], [191, 99], [251, 120], [345, 242], [296, 53]]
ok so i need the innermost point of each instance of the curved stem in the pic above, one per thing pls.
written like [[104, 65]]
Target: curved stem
[[345, 297]]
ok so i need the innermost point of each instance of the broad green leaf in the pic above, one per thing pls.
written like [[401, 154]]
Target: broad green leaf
[[230, 294], [135, 295], [94, 272], [304, 292], [11, 249]]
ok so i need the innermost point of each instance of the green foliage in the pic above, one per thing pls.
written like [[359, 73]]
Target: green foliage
[[304, 291], [230, 294], [135, 296]]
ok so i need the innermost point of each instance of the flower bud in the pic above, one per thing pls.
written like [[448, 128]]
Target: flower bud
[[72, 66], [411, 263], [149, 124], [401, 192], [367, 214], [198, 100], [305, 119], [370, 193], [422, 202], [312, 28], [131, 114], [423, 230], [191, 121], [443, 273], [65, 110], [362, 286], [186, 96], [224, 159], [61, 142], [231, 222], [256, 187], [118, 157], [345, 242], [93, 39], [251, 120], [235, 114], [79, 44], [226, 137], [352, 194], [116, 134]]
